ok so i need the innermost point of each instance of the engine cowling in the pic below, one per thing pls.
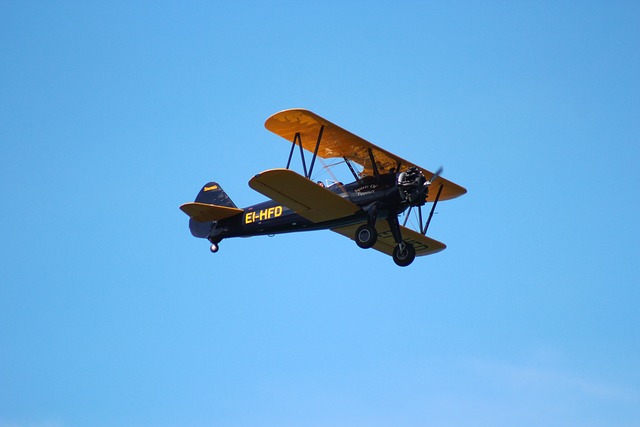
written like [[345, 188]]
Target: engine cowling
[[413, 186]]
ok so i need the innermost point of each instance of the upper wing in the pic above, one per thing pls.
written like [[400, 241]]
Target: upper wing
[[302, 195], [338, 142], [385, 243]]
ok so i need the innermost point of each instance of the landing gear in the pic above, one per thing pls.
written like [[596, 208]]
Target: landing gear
[[404, 254], [214, 248], [366, 236]]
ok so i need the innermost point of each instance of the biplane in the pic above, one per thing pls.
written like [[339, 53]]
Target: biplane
[[367, 210]]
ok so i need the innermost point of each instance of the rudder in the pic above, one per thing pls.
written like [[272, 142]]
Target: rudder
[[213, 194]]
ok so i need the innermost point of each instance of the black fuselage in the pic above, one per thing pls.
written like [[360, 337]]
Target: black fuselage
[[271, 217]]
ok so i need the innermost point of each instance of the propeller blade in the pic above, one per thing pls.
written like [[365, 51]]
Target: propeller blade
[[435, 175]]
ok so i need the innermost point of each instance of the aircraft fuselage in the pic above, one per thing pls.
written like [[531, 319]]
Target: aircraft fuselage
[[271, 217]]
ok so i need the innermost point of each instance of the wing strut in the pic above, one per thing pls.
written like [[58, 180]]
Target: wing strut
[[297, 139], [374, 166], [353, 172], [433, 208], [406, 216], [315, 152], [425, 227]]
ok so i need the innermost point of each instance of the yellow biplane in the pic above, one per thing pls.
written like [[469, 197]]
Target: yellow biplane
[[366, 210]]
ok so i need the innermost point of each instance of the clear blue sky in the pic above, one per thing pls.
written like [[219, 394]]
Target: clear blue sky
[[112, 314]]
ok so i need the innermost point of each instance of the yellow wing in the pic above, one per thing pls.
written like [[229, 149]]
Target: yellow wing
[[385, 243], [302, 195], [338, 142]]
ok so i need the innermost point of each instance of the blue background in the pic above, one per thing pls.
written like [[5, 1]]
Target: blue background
[[111, 313]]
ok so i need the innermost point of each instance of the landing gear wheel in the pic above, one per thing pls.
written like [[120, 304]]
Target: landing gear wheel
[[366, 236], [404, 254], [214, 248]]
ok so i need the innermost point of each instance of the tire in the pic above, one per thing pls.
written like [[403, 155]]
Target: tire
[[406, 256], [366, 236]]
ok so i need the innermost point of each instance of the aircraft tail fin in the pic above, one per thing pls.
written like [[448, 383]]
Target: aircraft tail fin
[[213, 194], [212, 204]]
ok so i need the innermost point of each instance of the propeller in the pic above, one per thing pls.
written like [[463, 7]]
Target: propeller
[[435, 176]]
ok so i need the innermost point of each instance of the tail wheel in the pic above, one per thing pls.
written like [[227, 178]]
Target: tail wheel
[[366, 236], [214, 248], [404, 254]]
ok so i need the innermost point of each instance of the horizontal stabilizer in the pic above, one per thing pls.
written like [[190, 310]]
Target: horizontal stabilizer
[[303, 196], [204, 212]]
